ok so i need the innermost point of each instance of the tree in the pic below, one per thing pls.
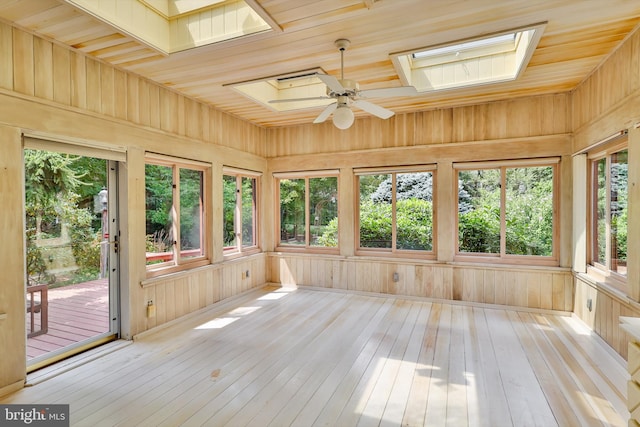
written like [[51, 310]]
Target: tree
[[53, 182]]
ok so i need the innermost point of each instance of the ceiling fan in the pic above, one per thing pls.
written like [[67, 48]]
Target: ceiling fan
[[347, 93]]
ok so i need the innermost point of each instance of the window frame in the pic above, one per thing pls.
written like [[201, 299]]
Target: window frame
[[306, 175], [239, 249], [503, 257], [394, 252], [602, 272], [177, 262]]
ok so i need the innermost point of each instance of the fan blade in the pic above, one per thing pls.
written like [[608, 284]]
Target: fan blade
[[388, 92], [332, 83], [326, 113], [312, 98], [374, 109]]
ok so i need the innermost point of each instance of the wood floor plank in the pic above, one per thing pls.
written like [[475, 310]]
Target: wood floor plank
[[301, 357], [419, 387], [351, 412], [554, 379], [526, 399], [316, 358], [396, 406], [263, 368], [457, 412], [381, 394], [589, 383], [436, 412], [298, 410], [334, 406], [172, 360]]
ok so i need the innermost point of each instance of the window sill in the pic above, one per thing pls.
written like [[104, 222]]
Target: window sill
[[387, 253], [515, 261], [308, 250], [173, 274], [231, 255]]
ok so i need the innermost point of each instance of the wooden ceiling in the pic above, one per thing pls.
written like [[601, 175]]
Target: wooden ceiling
[[578, 37]]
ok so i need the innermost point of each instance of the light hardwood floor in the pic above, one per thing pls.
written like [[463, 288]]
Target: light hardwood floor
[[305, 357]]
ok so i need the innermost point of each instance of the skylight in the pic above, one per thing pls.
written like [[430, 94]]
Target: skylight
[[175, 25], [301, 84], [479, 47], [496, 58]]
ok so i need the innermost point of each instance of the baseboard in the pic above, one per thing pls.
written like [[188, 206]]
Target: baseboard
[[11, 388]]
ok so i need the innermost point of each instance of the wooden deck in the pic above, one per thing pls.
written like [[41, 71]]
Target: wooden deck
[[308, 357], [76, 312]]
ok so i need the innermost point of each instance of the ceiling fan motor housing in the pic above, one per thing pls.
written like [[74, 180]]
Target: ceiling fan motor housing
[[350, 89]]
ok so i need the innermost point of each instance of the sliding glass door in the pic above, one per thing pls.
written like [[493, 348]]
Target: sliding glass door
[[71, 232]]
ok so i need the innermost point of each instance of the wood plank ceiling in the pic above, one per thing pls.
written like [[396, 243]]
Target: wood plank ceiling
[[579, 35]]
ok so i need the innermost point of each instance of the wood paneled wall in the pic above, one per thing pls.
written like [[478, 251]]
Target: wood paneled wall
[[607, 102], [550, 289], [36, 67], [12, 264], [180, 294], [606, 309], [48, 89], [509, 119], [517, 129], [609, 99]]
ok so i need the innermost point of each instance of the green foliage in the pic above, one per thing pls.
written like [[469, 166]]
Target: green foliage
[[85, 242], [292, 201], [529, 214], [53, 185], [375, 224], [229, 192], [329, 237], [190, 208], [159, 198], [528, 211], [414, 224], [48, 174], [36, 267], [479, 230]]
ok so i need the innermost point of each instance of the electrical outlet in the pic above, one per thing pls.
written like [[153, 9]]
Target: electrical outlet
[[151, 309], [246, 273], [396, 277], [589, 304]]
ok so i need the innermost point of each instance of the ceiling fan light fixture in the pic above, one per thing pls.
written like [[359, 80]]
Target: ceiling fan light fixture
[[343, 117]]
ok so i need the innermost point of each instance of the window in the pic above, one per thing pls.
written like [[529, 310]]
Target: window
[[308, 210], [608, 197], [507, 210], [395, 211], [240, 211], [175, 213]]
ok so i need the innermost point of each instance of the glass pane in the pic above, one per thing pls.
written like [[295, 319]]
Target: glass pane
[[479, 211], [292, 221], [248, 211], [191, 210], [600, 198], [619, 197], [375, 211], [323, 211], [229, 211], [529, 211], [159, 199], [414, 211], [67, 250]]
